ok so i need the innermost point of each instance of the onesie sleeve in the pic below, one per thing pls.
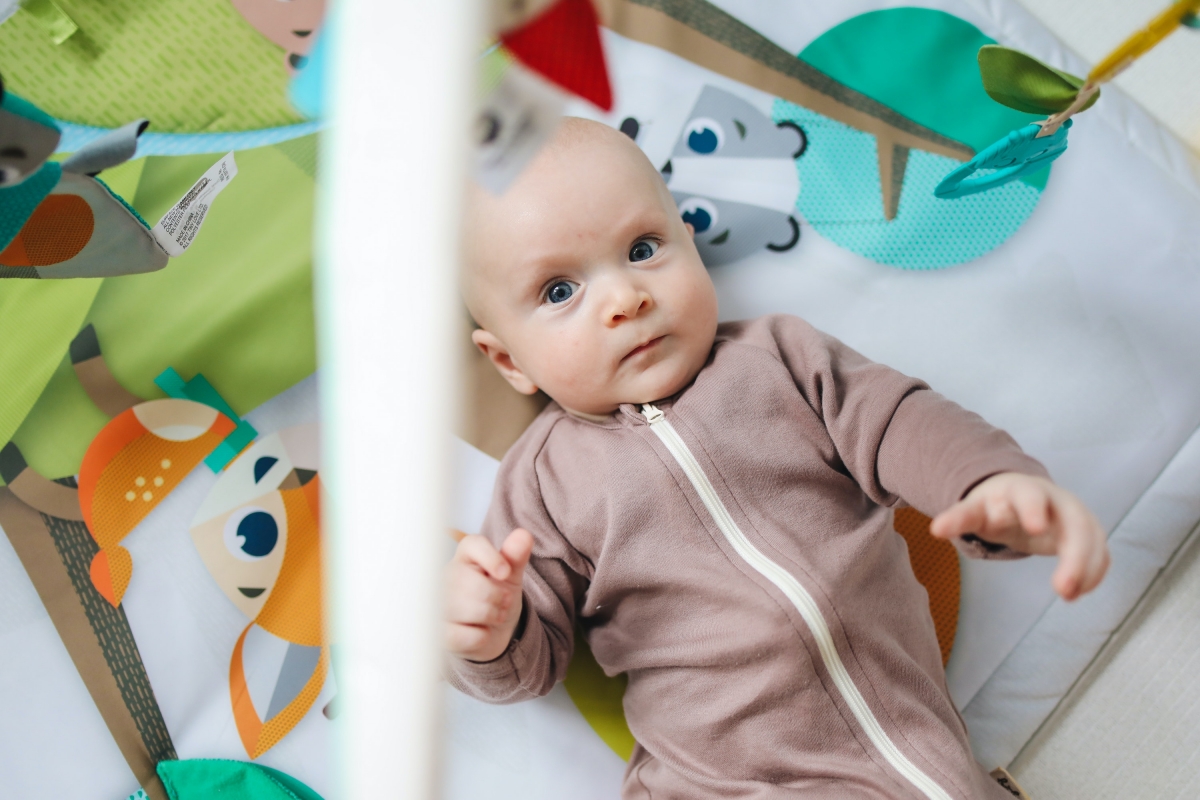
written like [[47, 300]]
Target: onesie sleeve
[[537, 657], [900, 440]]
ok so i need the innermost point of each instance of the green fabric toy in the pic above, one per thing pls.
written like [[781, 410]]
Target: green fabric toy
[[57, 220], [218, 779]]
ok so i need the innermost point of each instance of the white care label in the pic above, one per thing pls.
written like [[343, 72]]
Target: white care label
[[176, 231]]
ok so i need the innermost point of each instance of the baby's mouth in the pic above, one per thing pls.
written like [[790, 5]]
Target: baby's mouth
[[643, 348]]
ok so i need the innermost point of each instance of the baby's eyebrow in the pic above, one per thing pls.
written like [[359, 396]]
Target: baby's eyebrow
[[537, 272]]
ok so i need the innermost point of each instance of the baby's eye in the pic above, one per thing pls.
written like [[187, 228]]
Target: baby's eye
[[561, 291], [643, 250]]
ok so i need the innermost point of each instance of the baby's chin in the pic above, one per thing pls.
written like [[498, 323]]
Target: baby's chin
[[658, 382]]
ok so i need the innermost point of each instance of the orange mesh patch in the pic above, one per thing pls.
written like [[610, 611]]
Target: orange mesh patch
[[111, 440], [935, 563], [59, 228], [139, 477], [293, 611], [257, 737], [111, 571]]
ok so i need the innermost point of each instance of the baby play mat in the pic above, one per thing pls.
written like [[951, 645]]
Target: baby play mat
[[159, 569]]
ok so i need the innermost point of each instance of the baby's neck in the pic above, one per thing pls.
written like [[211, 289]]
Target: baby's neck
[[587, 416]]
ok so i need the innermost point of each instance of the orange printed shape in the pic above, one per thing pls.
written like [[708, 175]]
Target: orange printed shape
[[935, 563], [59, 228], [111, 570], [257, 736], [111, 440], [294, 610], [137, 459], [141, 456]]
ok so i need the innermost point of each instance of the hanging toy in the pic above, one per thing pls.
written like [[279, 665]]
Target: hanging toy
[[58, 220], [1019, 81]]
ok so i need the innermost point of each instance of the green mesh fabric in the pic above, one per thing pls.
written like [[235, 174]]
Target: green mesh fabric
[[187, 65], [38, 320], [18, 202], [1021, 82], [205, 778]]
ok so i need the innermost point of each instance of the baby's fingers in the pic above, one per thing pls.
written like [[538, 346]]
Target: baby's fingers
[[483, 555], [1033, 510], [516, 550], [966, 516], [1082, 551], [475, 599]]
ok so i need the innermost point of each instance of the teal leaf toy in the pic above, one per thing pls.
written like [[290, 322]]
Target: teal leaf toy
[[1021, 82], [1019, 153]]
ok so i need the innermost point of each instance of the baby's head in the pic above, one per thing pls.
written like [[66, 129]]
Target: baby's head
[[584, 278]]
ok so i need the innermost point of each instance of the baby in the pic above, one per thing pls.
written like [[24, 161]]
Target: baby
[[710, 504]]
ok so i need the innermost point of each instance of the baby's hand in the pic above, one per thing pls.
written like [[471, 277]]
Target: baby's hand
[[1033, 515], [483, 595]]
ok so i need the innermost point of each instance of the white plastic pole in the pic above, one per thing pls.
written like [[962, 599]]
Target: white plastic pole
[[391, 180]]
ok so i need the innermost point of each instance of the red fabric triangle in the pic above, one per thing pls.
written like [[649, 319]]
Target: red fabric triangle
[[563, 43]]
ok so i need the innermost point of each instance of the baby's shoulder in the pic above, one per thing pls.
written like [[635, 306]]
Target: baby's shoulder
[[551, 443], [772, 332]]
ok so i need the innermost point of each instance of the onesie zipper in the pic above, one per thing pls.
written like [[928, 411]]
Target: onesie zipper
[[799, 597]]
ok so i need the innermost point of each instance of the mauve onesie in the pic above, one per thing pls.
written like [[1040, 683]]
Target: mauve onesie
[[736, 560]]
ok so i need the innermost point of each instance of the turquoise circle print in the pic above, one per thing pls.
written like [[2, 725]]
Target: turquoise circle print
[[921, 63]]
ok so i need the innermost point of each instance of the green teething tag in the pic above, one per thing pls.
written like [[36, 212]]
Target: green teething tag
[[1019, 81]]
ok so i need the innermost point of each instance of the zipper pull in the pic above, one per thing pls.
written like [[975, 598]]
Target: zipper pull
[[652, 413]]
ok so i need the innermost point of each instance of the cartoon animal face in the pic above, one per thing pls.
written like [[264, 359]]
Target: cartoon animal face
[[733, 174], [27, 138], [257, 534], [291, 24]]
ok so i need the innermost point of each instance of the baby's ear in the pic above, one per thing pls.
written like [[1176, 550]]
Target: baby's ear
[[691, 229], [498, 354]]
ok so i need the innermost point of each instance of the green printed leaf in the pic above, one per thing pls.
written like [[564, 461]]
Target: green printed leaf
[[1020, 81]]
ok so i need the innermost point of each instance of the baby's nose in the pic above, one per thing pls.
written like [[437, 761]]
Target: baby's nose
[[627, 303]]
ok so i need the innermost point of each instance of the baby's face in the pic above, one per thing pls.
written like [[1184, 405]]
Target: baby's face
[[586, 280]]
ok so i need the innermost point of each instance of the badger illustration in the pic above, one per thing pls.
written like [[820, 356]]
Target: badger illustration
[[733, 174]]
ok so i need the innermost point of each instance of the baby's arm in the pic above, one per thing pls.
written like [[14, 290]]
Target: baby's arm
[[899, 440], [1030, 514], [483, 595]]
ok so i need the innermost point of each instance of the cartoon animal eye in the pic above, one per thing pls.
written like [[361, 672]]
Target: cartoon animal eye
[[262, 466], [699, 213], [643, 250], [704, 136], [9, 175], [561, 291], [251, 533]]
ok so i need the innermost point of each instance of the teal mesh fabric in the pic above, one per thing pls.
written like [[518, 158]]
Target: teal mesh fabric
[[26, 109], [840, 197], [18, 202]]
